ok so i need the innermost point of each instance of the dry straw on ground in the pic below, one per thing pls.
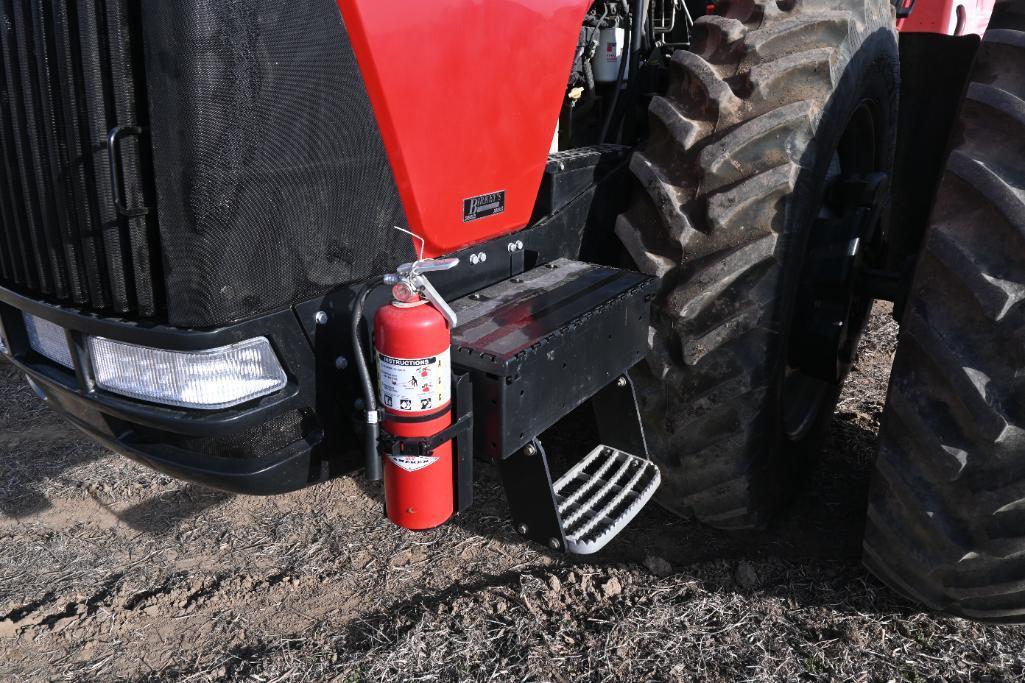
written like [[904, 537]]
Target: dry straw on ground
[[109, 571]]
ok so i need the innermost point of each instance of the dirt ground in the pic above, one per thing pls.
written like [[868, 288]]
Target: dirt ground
[[109, 571]]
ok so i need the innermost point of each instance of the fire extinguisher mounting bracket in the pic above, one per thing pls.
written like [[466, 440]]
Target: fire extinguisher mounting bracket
[[397, 446]]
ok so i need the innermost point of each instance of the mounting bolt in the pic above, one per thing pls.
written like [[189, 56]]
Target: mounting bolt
[[621, 382], [511, 247], [554, 544], [474, 259], [522, 529], [321, 318], [482, 257], [341, 363], [530, 449], [519, 245]]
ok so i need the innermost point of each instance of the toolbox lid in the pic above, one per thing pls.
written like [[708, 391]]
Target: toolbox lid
[[507, 320]]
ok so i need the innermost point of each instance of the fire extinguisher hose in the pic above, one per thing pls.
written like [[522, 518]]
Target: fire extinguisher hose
[[374, 467]]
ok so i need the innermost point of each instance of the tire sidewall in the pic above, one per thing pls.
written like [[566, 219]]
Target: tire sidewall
[[872, 74]]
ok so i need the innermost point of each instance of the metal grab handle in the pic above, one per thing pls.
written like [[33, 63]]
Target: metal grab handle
[[117, 174]]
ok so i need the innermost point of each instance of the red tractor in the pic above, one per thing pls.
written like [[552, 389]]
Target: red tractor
[[260, 244]]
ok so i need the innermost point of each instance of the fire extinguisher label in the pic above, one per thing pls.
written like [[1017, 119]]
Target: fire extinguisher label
[[415, 385], [412, 463]]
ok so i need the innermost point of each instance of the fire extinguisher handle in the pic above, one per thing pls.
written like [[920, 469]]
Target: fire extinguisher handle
[[432, 295]]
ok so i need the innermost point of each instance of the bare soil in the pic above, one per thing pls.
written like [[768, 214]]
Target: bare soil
[[109, 571]]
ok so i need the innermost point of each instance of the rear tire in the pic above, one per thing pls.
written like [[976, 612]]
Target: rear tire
[[946, 516], [731, 182]]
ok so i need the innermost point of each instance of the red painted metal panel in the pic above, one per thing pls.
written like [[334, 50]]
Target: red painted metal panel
[[949, 17], [467, 94]]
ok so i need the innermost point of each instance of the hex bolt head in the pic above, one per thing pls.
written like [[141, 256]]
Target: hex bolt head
[[554, 544], [530, 449], [321, 318], [482, 256], [621, 382], [341, 363], [511, 247], [522, 529], [474, 259], [519, 245]]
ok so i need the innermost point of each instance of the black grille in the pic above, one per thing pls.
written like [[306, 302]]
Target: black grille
[[271, 174], [70, 71]]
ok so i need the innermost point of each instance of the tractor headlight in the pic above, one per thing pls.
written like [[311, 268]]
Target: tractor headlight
[[48, 340], [209, 379]]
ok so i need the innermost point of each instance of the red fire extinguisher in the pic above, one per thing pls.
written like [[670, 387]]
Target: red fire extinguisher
[[412, 339]]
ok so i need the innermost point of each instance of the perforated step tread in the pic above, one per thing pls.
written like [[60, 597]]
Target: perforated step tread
[[601, 494]]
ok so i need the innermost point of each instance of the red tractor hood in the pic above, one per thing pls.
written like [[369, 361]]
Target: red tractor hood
[[467, 94]]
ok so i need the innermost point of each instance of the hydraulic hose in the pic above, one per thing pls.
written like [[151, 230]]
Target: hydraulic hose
[[372, 458], [588, 76], [636, 36], [631, 57]]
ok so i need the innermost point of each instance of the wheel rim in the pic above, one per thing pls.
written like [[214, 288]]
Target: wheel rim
[[830, 313]]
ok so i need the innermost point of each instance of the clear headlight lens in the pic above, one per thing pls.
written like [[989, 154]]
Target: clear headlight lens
[[209, 379], [48, 340]]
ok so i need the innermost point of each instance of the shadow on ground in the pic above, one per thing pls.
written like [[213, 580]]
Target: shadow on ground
[[162, 514], [825, 521], [36, 447]]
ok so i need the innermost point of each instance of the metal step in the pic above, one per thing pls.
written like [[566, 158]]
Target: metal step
[[601, 494]]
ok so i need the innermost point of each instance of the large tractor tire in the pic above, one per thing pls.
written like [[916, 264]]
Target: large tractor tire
[[743, 210], [946, 517]]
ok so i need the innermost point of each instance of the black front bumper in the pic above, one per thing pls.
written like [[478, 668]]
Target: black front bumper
[[274, 444], [308, 431]]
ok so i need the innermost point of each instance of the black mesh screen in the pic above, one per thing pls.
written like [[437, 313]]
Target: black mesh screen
[[272, 181], [250, 444], [70, 71]]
